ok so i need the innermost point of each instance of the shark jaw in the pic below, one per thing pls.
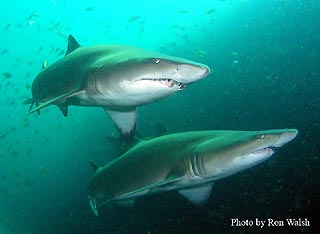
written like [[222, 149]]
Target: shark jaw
[[264, 152], [251, 159], [167, 83]]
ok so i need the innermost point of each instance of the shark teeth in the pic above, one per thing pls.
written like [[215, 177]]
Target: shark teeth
[[267, 150], [170, 83], [93, 205]]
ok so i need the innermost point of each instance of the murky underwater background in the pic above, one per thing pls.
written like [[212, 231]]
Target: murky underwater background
[[265, 62]]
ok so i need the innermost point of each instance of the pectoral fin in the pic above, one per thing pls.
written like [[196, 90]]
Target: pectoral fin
[[197, 195], [125, 122]]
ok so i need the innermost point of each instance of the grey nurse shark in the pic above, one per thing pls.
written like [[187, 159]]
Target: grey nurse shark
[[188, 162], [116, 77]]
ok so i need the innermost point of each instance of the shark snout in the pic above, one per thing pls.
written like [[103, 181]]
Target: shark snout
[[189, 73], [285, 137], [206, 70]]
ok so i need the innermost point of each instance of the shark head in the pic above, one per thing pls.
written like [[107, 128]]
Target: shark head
[[239, 150], [140, 77]]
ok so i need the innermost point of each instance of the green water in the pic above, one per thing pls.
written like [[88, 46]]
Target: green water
[[265, 63]]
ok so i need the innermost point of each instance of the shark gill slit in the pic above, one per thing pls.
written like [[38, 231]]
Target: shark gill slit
[[200, 165], [92, 88], [194, 167]]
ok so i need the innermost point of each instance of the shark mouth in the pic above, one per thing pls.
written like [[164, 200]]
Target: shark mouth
[[265, 151], [258, 155], [93, 206], [169, 83]]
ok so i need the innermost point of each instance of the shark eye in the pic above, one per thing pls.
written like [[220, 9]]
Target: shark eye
[[156, 60]]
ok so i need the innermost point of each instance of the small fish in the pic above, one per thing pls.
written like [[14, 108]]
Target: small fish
[[3, 135], [56, 24], [8, 26], [28, 183], [43, 172], [12, 102], [4, 177], [89, 8], [6, 75], [4, 52], [12, 152], [210, 11], [199, 53], [183, 11], [28, 86], [61, 52], [12, 128], [141, 30], [133, 19], [31, 16], [178, 26], [234, 53]]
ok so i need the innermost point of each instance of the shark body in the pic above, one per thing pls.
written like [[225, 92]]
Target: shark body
[[118, 78], [188, 162]]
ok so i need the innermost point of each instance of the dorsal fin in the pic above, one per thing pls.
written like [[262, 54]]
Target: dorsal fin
[[93, 166], [72, 45]]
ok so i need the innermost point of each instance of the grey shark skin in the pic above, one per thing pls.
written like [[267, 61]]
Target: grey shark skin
[[116, 77], [188, 162]]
